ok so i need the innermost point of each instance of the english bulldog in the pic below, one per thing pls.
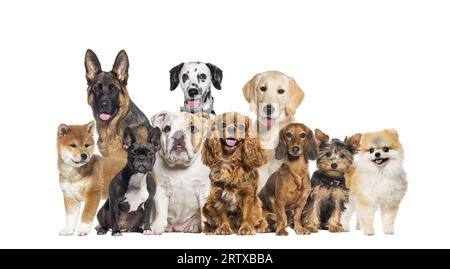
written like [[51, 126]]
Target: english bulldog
[[183, 182]]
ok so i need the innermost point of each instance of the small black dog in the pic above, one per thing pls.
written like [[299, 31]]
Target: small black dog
[[131, 192]]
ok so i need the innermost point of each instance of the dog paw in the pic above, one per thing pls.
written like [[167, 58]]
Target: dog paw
[[281, 232], [369, 232], [116, 233], [246, 230], [147, 232], [302, 231], [158, 229], [83, 229], [388, 230], [312, 229], [66, 231], [101, 231], [335, 229], [224, 229]]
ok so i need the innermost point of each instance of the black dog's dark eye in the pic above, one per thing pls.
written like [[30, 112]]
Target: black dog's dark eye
[[193, 129], [302, 135], [280, 91], [113, 89], [371, 150], [97, 88], [166, 128], [73, 145], [328, 154], [263, 88], [202, 76], [289, 135], [184, 77], [385, 149], [87, 145]]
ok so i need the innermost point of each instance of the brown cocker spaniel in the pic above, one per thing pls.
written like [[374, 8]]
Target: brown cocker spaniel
[[233, 155]]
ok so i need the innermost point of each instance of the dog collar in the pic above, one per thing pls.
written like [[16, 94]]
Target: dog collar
[[323, 179]]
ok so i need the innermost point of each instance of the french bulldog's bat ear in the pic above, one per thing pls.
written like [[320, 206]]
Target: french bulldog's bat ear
[[92, 65], [63, 129], [216, 75], [90, 127], [158, 119], [120, 67], [321, 136], [155, 138], [128, 138], [175, 76]]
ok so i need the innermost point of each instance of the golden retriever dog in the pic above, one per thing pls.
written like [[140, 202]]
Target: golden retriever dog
[[274, 97]]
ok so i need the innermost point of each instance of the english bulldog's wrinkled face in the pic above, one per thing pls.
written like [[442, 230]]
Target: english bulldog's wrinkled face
[[182, 136]]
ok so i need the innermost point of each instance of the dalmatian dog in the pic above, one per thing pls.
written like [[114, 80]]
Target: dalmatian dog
[[183, 182], [195, 79]]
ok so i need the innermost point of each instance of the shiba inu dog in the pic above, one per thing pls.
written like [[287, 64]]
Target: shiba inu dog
[[83, 176]]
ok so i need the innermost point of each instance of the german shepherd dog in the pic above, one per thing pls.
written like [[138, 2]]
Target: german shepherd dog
[[111, 105]]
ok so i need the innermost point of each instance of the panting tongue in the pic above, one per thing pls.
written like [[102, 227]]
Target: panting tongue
[[193, 104], [230, 142], [104, 116], [267, 122], [378, 161]]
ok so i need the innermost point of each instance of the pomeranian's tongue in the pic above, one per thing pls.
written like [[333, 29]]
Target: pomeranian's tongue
[[193, 104], [378, 161], [230, 142], [104, 116], [267, 122]]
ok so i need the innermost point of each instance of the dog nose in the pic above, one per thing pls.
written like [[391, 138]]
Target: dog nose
[[83, 157], [192, 92], [333, 165], [295, 149], [104, 104], [142, 157], [377, 155], [268, 109]]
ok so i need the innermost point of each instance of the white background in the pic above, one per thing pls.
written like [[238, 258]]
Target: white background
[[364, 66]]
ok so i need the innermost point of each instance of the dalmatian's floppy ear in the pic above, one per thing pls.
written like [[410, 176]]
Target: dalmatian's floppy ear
[[216, 74], [175, 76]]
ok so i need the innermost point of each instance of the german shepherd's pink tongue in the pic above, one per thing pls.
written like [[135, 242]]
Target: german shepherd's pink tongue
[[193, 104], [104, 116], [230, 142]]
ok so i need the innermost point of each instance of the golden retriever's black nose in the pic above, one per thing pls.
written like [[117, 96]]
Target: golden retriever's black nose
[[333, 165], [192, 92], [268, 109]]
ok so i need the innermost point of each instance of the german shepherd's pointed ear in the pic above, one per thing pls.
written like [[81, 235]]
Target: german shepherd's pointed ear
[[129, 138], [120, 67], [90, 127], [92, 65], [216, 74], [154, 137], [295, 95], [311, 149], [353, 142], [175, 76], [63, 129], [281, 149]]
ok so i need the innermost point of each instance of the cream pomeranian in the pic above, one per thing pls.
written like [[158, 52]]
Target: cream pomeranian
[[376, 181]]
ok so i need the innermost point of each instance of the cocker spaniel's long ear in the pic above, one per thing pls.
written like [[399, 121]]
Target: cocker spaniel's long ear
[[212, 151], [295, 95], [311, 148], [281, 149], [249, 91], [254, 155]]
